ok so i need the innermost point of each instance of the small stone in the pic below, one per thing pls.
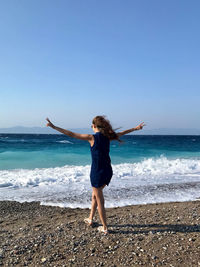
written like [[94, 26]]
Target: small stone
[[43, 260], [1, 253], [154, 257]]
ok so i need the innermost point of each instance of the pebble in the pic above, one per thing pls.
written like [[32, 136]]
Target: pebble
[[154, 257], [43, 260], [1, 253]]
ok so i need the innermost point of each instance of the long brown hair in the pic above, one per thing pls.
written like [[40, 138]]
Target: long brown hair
[[105, 127]]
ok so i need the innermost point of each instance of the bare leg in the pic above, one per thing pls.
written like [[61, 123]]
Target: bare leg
[[100, 202], [93, 207]]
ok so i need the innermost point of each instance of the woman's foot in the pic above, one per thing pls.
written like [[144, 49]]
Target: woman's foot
[[102, 230], [88, 221]]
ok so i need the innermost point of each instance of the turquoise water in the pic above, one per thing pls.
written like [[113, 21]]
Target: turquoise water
[[29, 151]]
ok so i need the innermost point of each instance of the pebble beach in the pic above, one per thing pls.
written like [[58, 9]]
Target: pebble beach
[[163, 234]]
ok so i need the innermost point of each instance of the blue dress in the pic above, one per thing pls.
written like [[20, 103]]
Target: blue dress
[[101, 169]]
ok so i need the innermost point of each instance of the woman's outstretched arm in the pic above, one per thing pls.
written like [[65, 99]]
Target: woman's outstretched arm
[[139, 127], [86, 137]]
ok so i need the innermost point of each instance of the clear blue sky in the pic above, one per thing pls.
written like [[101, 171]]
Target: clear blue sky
[[131, 60]]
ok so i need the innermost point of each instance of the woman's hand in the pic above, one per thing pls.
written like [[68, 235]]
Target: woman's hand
[[140, 126], [50, 124]]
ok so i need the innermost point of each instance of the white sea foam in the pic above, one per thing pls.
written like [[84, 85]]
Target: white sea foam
[[44, 176], [148, 181], [64, 142]]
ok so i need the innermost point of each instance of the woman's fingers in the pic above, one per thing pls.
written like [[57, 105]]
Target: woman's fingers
[[141, 125], [49, 122]]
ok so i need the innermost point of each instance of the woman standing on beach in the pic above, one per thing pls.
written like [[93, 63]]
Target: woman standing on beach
[[101, 169]]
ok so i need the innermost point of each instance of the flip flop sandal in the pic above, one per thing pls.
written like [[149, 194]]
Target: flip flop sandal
[[101, 230], [88, 221]]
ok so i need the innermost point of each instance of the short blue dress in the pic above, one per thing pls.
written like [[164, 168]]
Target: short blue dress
[[101, 169]]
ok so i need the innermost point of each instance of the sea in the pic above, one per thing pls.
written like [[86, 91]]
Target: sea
[[55, 170]]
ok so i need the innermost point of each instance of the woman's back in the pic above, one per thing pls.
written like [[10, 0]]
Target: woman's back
[[101, 170]]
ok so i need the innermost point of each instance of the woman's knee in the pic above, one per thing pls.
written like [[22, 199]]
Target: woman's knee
[[93, 196], [99, 196]]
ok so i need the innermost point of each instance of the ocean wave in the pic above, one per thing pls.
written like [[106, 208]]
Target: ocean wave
[[44, 176], [149, 171], [148, 181], [161, 166], [64, 142]]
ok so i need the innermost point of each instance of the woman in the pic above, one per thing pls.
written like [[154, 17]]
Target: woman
[[101, 170]]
